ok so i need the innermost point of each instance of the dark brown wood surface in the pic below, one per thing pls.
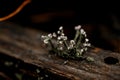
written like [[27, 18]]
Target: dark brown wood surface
[[26, 45]]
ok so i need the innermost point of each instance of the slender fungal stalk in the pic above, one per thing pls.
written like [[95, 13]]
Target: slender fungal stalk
[[73, 49]]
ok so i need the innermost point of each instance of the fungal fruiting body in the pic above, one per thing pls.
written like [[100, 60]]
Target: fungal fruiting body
[[69, 49]]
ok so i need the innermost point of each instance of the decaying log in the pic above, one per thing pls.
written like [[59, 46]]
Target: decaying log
[[25, 45]]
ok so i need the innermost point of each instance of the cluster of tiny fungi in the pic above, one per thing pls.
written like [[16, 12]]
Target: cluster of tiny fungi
[[70, 49]]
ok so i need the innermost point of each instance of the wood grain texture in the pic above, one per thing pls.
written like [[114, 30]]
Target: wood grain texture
[[26, 45]]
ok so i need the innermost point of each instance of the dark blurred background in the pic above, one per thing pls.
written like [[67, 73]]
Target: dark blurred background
[[101, 20]]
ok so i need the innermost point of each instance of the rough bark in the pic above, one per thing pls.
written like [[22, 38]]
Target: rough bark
[[25, 45]]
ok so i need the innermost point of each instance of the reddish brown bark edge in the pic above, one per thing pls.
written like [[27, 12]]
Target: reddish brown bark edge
[[16, 11]]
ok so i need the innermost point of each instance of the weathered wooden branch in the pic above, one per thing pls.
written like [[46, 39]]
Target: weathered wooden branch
[[24, 45]]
